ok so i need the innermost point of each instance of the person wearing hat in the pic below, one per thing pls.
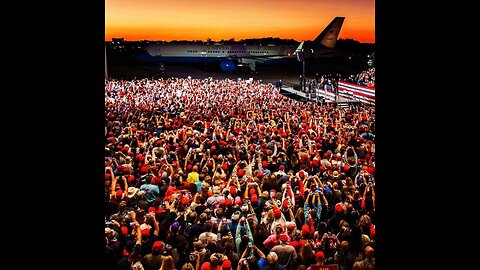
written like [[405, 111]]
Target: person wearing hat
[[154, 259], [178, 243], [274, 238], [320, 261], [287, 255], [118, 194]]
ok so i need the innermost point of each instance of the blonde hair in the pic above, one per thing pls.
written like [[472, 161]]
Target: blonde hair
[[187, 266], [167, 263]]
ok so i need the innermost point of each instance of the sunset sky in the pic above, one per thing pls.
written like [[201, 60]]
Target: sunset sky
[[225, 19]]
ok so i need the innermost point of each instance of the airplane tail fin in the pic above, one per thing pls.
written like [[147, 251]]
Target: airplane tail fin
[[328, 37], [299, 51]]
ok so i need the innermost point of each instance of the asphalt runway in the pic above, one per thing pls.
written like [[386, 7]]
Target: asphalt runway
[[289, 73]]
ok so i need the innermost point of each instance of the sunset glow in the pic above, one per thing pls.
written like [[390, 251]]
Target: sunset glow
[[216, 19]]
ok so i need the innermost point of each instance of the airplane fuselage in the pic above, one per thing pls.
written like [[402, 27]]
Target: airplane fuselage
[[205, 53]]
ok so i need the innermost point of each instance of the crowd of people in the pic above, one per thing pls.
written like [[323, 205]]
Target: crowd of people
[[230, 174], [364, 78]]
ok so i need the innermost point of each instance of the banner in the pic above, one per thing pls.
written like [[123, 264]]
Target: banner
[[360, 93], [324, 267]]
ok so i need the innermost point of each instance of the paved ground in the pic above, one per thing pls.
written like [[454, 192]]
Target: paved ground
[[288, 73]]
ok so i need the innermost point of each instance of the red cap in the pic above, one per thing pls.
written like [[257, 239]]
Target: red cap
[[189, 167], [213, 148], [233, 190], [209, 164], [144, 170], [264, 164], [285, 203], [108, 176], [277, 213], [221, 202], [227, 264], [283, 237], [254, 199], [157, 245], [305, 229], [346, 168], [131, 178], [314, 163], [339, 208], [301, 174], [240, 173], [371, 170], [228, 202], [151, 209], [205, 266], [145, 232], [119, 193], [251, 192], [372, 231], [224, 166], [124, 230], [260, 175], [319, 255], [322, 168], [282, 167]]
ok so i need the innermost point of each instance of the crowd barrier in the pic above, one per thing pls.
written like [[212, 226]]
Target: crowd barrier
[[363, 94]]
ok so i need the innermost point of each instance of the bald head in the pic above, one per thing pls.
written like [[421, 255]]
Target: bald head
[[369, 252]]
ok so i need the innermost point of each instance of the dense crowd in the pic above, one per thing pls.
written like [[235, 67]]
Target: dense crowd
[[229, 174], [364, 78]]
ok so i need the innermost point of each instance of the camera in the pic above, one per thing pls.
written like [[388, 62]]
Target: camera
[[250, 245], [192, 256]]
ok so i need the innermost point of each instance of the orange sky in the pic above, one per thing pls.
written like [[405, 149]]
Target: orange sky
[[225, 19]]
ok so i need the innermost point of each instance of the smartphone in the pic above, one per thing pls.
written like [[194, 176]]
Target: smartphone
[[132, 223], [108, 223], [245, 262]]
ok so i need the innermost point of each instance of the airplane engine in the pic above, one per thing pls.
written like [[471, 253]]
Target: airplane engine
[[227, 65]]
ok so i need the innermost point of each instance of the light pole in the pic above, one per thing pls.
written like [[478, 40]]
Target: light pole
[[106, 73], [303, 73]]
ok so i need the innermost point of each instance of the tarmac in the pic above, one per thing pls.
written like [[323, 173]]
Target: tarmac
[[289, 73]]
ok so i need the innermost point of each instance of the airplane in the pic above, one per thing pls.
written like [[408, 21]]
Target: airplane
[[230, 56]]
